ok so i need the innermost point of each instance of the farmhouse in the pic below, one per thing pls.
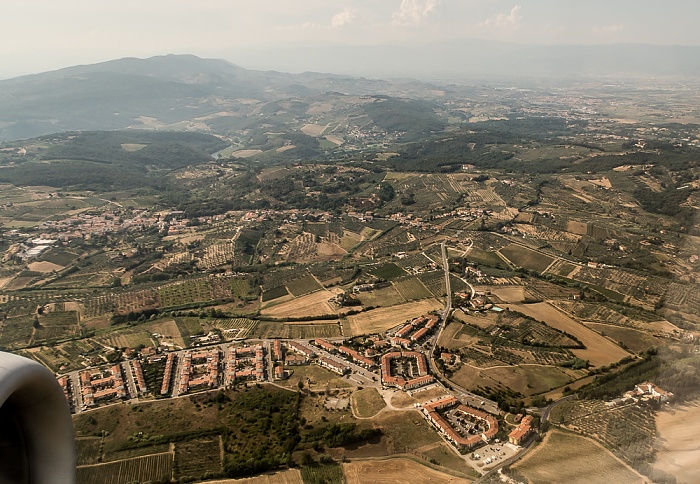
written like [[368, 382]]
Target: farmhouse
[[649, 391], [519, 434]]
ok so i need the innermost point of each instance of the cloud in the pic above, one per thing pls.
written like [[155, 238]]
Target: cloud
[[343, 18], [505, 21], [412, 12], [608, 29]]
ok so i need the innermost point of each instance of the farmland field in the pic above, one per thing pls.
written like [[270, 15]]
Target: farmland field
[[379, 320], [168, 329], [150, 468], [367, 402], [544, 464], [509, 294], [633, 339], [526, 258], [306, 330], [88, 450], [303, 286], [599, 350], [188, 326], [290, 476], [315, 304], [412, 289], [529, 379], [197, 457], [391, 471], [330, 473], [388, 271], [385, 296], [127, 339], [678, 428]]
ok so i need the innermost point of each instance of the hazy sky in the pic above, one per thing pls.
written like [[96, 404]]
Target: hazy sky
[[39, 35]]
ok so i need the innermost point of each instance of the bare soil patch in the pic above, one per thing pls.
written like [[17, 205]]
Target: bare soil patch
[[404, 400]]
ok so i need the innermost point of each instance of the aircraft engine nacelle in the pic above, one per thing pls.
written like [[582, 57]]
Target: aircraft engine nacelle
[[37, 441]]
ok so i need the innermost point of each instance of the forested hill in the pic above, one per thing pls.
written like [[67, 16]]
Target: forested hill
[[105, 160]]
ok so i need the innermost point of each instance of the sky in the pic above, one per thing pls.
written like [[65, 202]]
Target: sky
[[41, 35]]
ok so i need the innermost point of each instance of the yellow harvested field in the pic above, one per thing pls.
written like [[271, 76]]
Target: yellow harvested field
[[391, 471], [379, 320], [4, 281], [603, 182], [290, 476], [133, 146], [313, 129], [44, 266], [167, 329], [510, 294], [680, 452], [599, 350], [586, 462], [284, 148], [315, 304], [245, 153], [335, 140]]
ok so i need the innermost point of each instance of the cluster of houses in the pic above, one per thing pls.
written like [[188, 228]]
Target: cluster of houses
[[414, 331], [415, 380], [199, 369], [103, 387], [138, 376], [168, 374], [247, 363], [461, 439]]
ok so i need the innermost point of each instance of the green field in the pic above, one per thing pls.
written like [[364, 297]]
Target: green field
[[195, 458], [157, 467], [526, 258], [388, 271], [412, 289], [303, 285], [274, 293], [188, 327], [271, 329], [322, 473]]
